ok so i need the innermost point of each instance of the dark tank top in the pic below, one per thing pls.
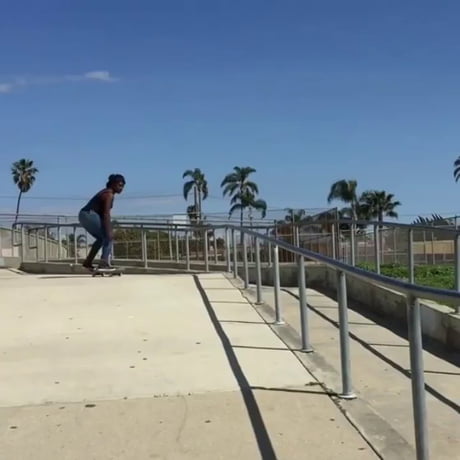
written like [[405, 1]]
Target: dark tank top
[[96, 203]]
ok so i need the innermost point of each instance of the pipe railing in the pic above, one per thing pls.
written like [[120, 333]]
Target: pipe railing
[[411, 291]]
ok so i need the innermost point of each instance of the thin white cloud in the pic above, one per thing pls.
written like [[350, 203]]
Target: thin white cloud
[[6, 88], [101, 75], [94, 75]]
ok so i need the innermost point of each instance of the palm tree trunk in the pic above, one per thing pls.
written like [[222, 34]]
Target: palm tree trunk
[[199, 204], [197, 214], [17, 206], [195, 202]]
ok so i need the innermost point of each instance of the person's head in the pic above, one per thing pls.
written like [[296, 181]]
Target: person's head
[[116, 182]]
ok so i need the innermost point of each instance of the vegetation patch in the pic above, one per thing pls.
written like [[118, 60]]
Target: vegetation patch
[[438, 276]]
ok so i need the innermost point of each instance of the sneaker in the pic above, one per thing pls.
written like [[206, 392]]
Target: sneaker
[[104, 265], [88, 266]]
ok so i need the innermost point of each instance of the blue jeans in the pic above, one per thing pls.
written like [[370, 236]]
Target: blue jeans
[[92, 223]]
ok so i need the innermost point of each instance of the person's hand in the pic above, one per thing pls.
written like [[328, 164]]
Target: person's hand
[[110, 235]]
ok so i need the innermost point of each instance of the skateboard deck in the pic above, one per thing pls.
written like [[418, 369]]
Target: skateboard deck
[[102, 271], [106, 272]]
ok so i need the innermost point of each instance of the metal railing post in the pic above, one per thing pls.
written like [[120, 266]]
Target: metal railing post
[[303, 305], [276, 284], [245, 262], [347, 392], [417, 378], [59, 237], [187, 251], [216, 256], [269, 249], [258, 273], [46, 243], [176, 237], [206, 255], [37, 249], [334, 246], [235, 255], [170, 242], [23, 243], [353, 245], [377, 248], [410, 255], [145, 256], [75, 253], [228, 254]]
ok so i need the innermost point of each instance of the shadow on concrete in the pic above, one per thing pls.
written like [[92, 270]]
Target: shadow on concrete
[[391, 326], [439, 372], [250, 347], [319, 392], [218, 289], [241, 322], [228, 301], [55, 277], [266, 449]]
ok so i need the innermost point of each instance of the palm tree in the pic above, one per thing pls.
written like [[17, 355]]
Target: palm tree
[[240, 188], [293, 216], [457, 169], [199, 185], [346, 191], [23, 172], [377, 204], [248, 201]]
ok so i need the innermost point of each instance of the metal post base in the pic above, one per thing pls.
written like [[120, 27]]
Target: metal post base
[[349, 396]]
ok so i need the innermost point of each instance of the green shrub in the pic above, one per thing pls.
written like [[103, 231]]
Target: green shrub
[[440, 276]]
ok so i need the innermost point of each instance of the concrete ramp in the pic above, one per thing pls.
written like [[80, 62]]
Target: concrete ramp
[[163, 367]]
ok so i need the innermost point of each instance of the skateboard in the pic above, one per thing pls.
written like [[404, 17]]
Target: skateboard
[[106, 272], [102, 271]]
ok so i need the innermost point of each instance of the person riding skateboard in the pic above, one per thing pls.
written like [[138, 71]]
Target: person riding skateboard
[[94, 217]]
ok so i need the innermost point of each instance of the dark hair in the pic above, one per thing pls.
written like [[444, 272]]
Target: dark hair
[[115, 178]]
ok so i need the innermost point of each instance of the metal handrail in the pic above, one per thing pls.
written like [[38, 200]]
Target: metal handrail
[[425, 292]]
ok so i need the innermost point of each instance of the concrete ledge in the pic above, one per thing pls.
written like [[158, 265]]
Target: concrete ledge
[[54, 268], [10, 262]]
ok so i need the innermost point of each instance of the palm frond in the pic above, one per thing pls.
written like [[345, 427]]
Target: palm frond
[[252, 186], [187, 187], [230, 188], [188, 173], [229, 179], [260, 205], [235, 207], [205, 190], [343, 190]]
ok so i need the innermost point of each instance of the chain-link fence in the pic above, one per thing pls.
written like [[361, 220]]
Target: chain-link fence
[[430, 246]]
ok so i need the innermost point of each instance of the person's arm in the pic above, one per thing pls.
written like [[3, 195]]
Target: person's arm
[[107, 199]]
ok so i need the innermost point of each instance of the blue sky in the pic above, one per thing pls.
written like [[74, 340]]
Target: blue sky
[[305, 92]]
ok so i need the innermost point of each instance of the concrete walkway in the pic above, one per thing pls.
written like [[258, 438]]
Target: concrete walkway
[[154, 367], [380, 371]]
